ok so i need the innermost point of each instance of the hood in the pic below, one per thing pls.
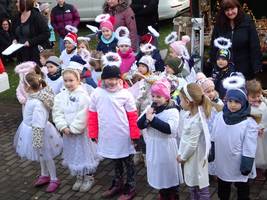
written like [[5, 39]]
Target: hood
[[117, 9]]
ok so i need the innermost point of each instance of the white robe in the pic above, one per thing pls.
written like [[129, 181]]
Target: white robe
[[231, 142]]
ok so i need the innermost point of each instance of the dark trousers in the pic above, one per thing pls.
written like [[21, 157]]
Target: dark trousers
[[130, 170], [170, 193], [224, 190]]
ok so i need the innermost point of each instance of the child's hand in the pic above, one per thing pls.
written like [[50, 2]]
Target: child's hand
[[150, 114], [66, 131], [261, 132], [180, 160]]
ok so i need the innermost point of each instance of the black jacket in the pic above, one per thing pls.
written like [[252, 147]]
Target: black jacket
[[5, 40], [39, 35], [146, 13], [245, 50]]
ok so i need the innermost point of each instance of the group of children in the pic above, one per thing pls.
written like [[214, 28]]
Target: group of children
[[109, 104]]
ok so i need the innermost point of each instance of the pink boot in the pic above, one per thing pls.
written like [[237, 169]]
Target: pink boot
[[42, 180], [53, 185]]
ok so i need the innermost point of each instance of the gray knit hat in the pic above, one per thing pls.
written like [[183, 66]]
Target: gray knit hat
[[54, 60]]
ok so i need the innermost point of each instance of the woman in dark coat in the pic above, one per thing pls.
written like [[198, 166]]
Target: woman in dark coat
[[234, 24], [30, 28], [5, 38]]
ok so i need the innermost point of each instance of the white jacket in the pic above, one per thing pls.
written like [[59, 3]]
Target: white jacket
[[70, 110], [192, 150]]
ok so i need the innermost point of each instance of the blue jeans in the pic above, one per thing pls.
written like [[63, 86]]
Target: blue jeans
[[61, 44]]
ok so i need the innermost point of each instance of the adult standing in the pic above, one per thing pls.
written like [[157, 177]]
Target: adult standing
[[4, 9], [234, 24], [29, 28], [5, 38], [146, 14], [61, 15], [124, 16]]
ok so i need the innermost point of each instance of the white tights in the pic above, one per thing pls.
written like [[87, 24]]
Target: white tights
[[48, 167]]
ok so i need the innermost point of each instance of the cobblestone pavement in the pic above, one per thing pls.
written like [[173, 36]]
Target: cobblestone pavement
[[17, 176]]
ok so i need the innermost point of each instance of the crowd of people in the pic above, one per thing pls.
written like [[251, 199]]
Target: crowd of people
[[122, 101]]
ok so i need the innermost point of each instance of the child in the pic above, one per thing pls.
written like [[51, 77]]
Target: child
[[95, 63], [54, 78], [161, 121], [69, 115], [44, 55], [46, 12], [107, 40], [78, 63], [148, 49], [22, 69], [208, 88], [70, 49], [235, 138], [37, 139], [111, 101], [258, 105], [83, 43], [195, 140], [126, 53], [222, 70]]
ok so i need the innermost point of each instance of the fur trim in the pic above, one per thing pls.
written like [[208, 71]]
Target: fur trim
[[121, 32], [84, 38], [153, 31], [102, 17], [233, 82], [111, 59], [123, 4], [172, 37], [222, 43], [147, 48], [25, 67]]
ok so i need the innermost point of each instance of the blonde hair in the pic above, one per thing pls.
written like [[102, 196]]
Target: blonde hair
[[85, 42], [253, 87], [198, 97], [34, 81], [46, 53], [96, 59]]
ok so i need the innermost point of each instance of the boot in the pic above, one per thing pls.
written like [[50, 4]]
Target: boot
[[128, 193], [115, 188], [76, 186], [88, 182]]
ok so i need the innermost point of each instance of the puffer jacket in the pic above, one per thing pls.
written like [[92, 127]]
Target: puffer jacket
[[124, 16], [62, 16]]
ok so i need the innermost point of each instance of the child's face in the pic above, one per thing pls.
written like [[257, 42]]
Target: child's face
[[211, 93], [184, 102], [159, 100], [169, 70], [172, 53], [52, 69], [254, 99], [111, 84], [106, 33], [233, 105], [142, 69], [69, 46], [222, 63], [124, 48], [81, 46], [71, 82], [42, 60]]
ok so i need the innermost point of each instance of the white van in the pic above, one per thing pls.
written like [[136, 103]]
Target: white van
[[89, 9]]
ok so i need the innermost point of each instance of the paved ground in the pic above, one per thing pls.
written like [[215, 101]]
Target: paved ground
[[17, 176]]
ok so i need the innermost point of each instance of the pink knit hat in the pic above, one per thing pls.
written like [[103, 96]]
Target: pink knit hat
[[180, 48], [107, 24], [206, 83], [162, 88]]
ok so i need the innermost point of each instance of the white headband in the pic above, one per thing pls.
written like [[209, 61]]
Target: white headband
[[187, 94]]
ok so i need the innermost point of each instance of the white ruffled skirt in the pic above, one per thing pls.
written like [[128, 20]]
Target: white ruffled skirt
[[79, 154], [52, 143]]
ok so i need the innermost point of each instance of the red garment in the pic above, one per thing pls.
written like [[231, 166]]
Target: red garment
[[127, 60], [2, 67], [92, 125], [134, 130]]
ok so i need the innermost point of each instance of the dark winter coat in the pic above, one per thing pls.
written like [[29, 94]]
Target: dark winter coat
[[218, 75], [124, 16], [39, 35], [101, 46], [146, 14], [245, 50], [62, 16], [159, 63], [5, 40]]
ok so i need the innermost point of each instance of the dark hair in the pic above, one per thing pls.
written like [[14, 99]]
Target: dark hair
[[25, 5], [222, 20], [34, 81], [6, 20]]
